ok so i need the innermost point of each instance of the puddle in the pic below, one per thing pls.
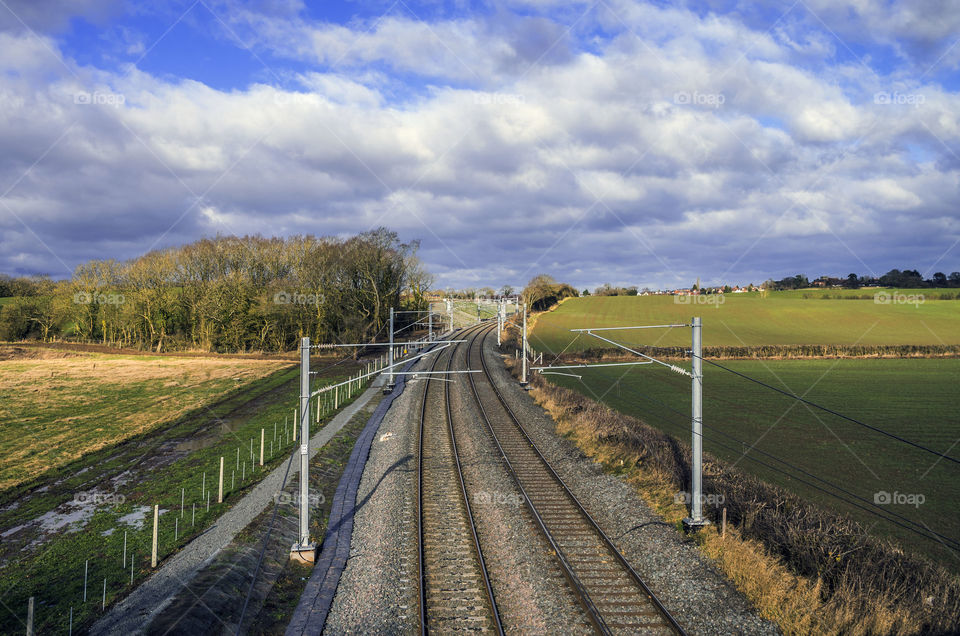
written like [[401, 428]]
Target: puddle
[[120, 480], [195, 444], [215, 432], [12, 530], [71, 520], [135, 518], [11, 506]]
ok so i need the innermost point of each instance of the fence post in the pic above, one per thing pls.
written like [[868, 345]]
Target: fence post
[[30, 617], [220, 489], [156, 522], [262, 438]]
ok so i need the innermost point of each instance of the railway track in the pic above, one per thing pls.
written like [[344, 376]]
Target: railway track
[[612, 594], [455, 592]]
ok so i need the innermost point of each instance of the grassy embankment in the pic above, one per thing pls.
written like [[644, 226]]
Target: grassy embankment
[[122, 416]]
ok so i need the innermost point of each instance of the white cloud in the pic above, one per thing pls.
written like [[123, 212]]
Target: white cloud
[[496, 172]]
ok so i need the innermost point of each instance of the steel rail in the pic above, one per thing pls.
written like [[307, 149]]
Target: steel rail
[[664, 613], [469, 513]]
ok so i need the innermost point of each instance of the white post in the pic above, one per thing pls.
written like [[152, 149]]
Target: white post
[[524, 380], [696, 519], [156, 521], [303, 545], [429, 323], [263, 433], [220, 487], [390, 358], [30, 617], [499, 320]]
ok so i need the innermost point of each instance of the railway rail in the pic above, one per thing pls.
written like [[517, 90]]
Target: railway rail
[[612, 594], [455, 591]]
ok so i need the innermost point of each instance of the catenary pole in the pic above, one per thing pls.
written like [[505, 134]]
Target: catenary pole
[[524, 381], [696, 416], [303, 545], [390, 357]]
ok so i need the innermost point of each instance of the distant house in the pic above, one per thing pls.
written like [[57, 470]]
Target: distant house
[[827, 281]]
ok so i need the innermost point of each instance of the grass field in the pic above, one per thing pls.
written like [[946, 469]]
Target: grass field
[[913, 398], [56, 407], [189, 434], [779, 318]]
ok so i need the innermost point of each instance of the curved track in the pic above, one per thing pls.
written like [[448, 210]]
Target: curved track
[[610, 591], [455, 592]]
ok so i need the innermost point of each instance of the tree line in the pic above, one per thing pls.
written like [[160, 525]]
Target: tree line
[[226, 294], [542, 292], [905, 279]]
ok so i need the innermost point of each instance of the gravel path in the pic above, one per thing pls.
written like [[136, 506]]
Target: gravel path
[[134, 613]]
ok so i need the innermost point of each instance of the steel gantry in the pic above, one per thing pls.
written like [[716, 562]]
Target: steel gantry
[[696, 518], [305, 550]]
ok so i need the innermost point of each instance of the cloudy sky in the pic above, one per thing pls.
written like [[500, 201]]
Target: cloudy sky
[[600, 141]]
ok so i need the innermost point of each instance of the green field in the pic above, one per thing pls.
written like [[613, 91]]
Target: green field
[[914, 398], [779, 318], [58, 406], [113, 415]]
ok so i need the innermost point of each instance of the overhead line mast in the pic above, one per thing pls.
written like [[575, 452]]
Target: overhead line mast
[[696, 519]]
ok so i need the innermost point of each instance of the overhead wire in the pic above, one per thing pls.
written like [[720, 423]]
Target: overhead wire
[[799, 469], [878, 511], [833, 412]]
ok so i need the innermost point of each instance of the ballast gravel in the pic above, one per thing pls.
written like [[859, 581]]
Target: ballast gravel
[[698, 595], [378, 592]]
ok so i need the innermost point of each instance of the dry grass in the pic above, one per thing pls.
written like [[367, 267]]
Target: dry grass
[[57, 406], [850, 602]]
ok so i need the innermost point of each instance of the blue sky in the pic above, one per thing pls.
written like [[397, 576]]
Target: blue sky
[[606, 141]]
